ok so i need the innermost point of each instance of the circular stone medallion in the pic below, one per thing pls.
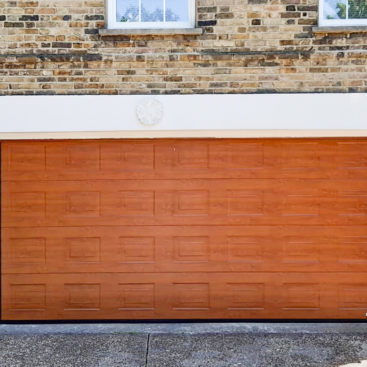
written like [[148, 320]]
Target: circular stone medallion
[[149, 112]]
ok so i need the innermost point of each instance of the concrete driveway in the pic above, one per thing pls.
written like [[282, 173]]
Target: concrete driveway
[[184, 345]]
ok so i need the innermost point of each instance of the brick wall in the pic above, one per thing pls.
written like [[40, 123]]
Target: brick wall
[[248, 46]]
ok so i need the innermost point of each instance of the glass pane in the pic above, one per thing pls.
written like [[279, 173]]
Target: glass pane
[[335, 9], [357, 9], [177, 11], [127, 10], [152, 10]]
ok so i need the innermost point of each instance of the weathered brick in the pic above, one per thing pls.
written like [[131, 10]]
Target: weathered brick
[[290, 8], [34, 18], [94, 17], [307, 7], [91, 31], [224, 16], [207, 23], [292, 14], [254, 46], [61, 44], [207, 9], [14, 25]]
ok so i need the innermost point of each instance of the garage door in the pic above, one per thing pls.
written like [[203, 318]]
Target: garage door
[[184, 229]]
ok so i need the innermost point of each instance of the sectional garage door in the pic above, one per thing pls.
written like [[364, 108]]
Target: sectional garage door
[[184, 229]]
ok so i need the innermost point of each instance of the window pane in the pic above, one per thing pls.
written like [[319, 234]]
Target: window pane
[[357, 9], [335, 9], [152, 10], [177, 11], [127, 10]]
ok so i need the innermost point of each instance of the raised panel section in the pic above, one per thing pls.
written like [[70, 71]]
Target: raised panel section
[[245, 202], [301, 296], [137, 156], [193, 202], [83, 249], [136, 249], [352, 155], [130, 156], [301, 155], [83, 156], [191, 296], [27, 250], [136, 297], [28, 203], [243, 249], [191, 155], [191, 249], [300, 204], [82, 297], [237, 156], [300, 250], [353, 250], [246, 296], [137, 203], [353, 296], [352, 203], [83, 203], [25, 297], [184, 155], [26, 157]]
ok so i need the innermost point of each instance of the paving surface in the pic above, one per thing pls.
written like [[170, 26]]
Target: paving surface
[[183, 345]]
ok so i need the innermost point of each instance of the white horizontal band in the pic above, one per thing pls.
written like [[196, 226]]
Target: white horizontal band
[[246, 115]]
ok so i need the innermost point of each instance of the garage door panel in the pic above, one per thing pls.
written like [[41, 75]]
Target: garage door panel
[[75, 296], [299, 202], [236, 295], [199, 158], [200, 228], [132, 159], [184, 202], [165, 202], [184, 249], [26, 158], [352, 249], [267, 158], [352, 298], [146, 202], [214, 159], [84, 156], [303, 159], [351, 159], [127, 249], [351, 200]]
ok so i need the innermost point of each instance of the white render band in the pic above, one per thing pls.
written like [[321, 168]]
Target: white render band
[[242, 115]]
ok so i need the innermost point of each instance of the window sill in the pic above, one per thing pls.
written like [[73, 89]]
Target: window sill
[[151, 31], [340, 29]]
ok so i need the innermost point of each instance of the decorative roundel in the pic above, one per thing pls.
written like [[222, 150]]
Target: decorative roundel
[[149, 111]]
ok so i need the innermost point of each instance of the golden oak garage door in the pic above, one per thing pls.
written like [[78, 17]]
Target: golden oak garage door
[[183, 229]]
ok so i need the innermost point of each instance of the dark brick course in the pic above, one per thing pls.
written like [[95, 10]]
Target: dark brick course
[[257, 46]]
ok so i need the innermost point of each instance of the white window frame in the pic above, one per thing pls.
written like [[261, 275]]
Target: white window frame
[[113, 24], [338, 22]]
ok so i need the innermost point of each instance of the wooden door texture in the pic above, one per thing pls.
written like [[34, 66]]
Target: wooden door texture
[[184, 229]]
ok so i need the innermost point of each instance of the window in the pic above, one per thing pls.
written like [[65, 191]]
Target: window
[[141, 14], [343, 12]]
